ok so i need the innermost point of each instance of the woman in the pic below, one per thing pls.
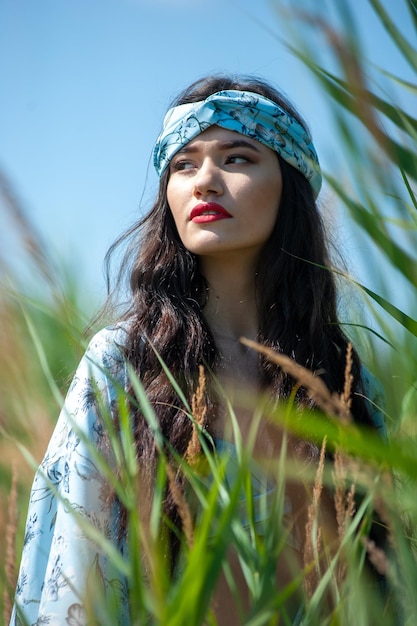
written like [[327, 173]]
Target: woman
[[233, 246]]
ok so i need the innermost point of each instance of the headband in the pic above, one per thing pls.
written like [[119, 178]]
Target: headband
[[247, 113]]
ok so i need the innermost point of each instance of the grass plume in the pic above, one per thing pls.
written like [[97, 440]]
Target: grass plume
[[330, 403], [313, 533], [199, 412]]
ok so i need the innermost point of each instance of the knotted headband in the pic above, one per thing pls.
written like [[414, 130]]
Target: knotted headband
[[247, 113]]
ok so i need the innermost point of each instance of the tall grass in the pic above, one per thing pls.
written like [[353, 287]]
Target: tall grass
[[37, 306], [377, 136], [41, 341]]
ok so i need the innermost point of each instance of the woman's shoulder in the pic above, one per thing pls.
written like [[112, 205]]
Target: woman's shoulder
[[104, 356], [375, 399], [111, 337]]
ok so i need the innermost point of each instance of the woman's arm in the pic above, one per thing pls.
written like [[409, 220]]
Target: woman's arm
[[61, 563]]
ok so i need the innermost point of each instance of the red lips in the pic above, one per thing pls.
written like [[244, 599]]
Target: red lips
[[208, 212]]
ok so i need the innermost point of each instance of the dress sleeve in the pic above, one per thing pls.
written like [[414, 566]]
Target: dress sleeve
[[59, 558]]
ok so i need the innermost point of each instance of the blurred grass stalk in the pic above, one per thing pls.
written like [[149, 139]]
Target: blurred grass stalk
[[37, 301], [378, 138]]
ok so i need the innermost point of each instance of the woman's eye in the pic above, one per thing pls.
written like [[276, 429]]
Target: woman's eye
[[237, 159], [181, 165]]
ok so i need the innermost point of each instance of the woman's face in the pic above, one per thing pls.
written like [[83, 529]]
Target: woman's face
[[224, 191]]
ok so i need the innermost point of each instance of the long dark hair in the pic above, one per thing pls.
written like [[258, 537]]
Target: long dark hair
[[296, 300]]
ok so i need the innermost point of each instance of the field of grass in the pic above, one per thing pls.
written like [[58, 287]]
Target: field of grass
[[41, 342]]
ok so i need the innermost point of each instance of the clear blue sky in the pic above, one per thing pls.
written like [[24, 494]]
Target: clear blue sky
[[85, 84]]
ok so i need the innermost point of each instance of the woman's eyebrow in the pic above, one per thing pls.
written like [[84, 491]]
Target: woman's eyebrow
[[238, 143], [222, 145]]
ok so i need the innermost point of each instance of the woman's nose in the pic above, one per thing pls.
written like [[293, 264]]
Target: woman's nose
[[207, 179]]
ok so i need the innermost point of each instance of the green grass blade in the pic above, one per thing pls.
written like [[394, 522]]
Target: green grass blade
[[398, 257], [404, 157], [370, 330], [412, 7], [409, 188], [400, 118], [173, 382], [409, 53], [405, 320]]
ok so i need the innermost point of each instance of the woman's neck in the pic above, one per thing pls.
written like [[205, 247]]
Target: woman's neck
[[231, 313], [231, 310]]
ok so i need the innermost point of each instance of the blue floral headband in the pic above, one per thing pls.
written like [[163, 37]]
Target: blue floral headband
[[247, 113]]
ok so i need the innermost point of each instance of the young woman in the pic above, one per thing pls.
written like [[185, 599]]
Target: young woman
[[233, 246]]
